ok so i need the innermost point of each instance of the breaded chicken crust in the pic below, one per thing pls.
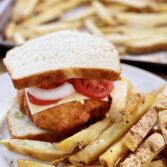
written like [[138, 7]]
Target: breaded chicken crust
[[66, 118]]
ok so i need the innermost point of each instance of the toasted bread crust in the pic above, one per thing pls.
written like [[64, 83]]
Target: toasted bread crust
[[66, 118], [44, 136], [64, 74], [60, 56]]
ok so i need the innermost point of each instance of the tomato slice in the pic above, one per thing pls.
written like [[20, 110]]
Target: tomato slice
[[50, 85], [40, 102], [96, 89]]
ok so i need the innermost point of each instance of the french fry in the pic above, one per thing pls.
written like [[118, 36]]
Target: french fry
[[18, 9], [135, 3], [18, 38], [121, 50], [145, 20], [10, 30], [52, 27], [162, 115], [115, 29], [91, 27], [158, 92], [92, 151], [154, 43], [52, 13], [102, 12], [26, 163], [130, 141], [30, 7], [119, 101], [84, 137], [43, 17], [86, 12], [125, 39], [47, 4], [158, 163], [23, 9], [40, 150], [116, 7], [58, 161], [71, 165], [161, 103], [139, 131], [26, 32], [146, 152], [114, 154], [132, 89], [162, 7], [127, 30], [131, 105]]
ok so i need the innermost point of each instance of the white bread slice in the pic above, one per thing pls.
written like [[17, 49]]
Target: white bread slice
[[146, 152], [20, 127], [61, 56]]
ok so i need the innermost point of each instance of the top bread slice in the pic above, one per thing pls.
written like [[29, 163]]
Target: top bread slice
[[60, 56]]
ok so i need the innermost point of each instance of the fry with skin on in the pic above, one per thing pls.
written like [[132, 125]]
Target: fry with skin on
[[146, 152], [114, 154], [139, 131], [162, 115], [92, 151], [161, 103], [84, 137], [158, 163], [130, 141]]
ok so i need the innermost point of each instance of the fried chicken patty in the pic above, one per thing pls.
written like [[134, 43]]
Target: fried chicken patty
[[67, 117]]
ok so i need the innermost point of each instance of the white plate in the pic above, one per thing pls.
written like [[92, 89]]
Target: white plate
[[143, 80]]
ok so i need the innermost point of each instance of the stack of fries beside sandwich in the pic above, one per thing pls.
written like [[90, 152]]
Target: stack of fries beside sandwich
[[134, 26], [125, 138]]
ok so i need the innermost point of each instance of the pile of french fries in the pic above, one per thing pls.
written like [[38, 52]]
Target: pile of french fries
[[134, 26], [134, 133]]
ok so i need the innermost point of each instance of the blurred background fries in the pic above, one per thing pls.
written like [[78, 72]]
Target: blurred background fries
[[134, 26]]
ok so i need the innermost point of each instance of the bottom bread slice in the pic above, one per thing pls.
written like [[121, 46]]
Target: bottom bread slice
[[20, 127]]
